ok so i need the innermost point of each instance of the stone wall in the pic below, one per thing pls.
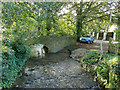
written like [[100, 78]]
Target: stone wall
[[54, 43], [114, 47]]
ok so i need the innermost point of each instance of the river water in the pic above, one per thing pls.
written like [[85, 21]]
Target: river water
[[55, 71]]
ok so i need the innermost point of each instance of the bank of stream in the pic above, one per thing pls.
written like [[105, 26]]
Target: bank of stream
[[55, 71]]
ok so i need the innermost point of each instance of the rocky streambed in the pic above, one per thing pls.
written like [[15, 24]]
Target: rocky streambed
[[55, 71]]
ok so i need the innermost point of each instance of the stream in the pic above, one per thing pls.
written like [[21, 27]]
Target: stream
[[54, 71]]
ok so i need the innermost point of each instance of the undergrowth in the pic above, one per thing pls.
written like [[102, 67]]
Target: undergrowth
[[106, 71], [14, 54]]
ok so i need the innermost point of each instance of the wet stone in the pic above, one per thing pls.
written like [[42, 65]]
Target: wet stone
[[65, 73]]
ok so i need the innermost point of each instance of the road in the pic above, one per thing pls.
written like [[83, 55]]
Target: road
[[95, 45]]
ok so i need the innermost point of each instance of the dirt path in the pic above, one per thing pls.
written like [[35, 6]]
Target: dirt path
[[95, 45], [57, 71]]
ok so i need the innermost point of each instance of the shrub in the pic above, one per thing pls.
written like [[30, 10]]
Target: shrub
[[89, 60], [14, 56], [106, 71]]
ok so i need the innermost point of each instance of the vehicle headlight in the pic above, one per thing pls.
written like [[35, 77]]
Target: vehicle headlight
[[80, 38]]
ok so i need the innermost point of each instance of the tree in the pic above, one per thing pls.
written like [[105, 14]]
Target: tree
[[47, 11], [89, 11], [118, 20], [15, 11]]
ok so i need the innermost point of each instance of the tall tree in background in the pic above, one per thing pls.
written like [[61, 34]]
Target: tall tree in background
[[89, 11], [90, 15], [15, 11], [48, 11]]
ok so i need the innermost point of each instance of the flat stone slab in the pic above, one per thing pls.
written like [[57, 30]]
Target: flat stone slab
[[77, 54]]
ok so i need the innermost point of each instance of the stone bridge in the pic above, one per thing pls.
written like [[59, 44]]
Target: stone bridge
[[53, 43]]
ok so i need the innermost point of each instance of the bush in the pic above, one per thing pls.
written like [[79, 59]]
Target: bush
[[14, 56], [106, 71], [89, 59]]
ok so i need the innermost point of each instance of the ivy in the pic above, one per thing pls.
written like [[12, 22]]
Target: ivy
[[14, 57]]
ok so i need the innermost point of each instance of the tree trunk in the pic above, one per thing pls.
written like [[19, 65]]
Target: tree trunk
[[48, 21], [79, 28], [119, 46], [101, 45], [79, 20], [118, 33], [48, 28]]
